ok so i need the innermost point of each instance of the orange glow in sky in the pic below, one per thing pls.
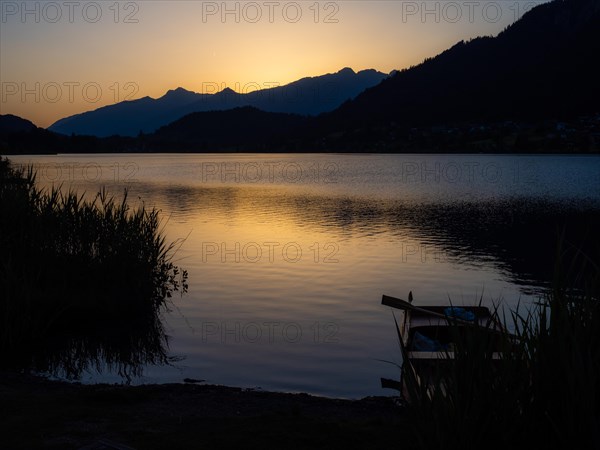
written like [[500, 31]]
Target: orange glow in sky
[[62, 58]]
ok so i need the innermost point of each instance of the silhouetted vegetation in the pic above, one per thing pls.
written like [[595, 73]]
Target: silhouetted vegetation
[[543, 392], [240, 129], [13, 124], [83, 282], [531, 89], [539, 68], [252, 130]]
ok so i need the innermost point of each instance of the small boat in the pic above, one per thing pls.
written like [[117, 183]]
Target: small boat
[[431, 336]]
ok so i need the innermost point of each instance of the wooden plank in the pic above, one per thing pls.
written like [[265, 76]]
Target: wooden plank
[[398, 303], [386, 383]]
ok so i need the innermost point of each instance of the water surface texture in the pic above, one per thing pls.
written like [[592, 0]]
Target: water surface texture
[[288, 255]]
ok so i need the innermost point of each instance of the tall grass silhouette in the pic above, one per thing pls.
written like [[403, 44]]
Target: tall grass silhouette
[[83, 282], [543, 391]]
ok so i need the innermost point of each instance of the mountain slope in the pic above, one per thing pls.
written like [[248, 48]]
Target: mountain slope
[[543, 66], [308, 96], [239, 129], [20, 136], [14, 124]]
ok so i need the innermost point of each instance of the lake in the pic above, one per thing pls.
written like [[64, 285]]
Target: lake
[[288, 255]]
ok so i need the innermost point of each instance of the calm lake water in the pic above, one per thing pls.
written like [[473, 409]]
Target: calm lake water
[[288, 255]]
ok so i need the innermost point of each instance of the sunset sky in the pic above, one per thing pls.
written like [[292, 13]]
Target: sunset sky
[[63, 58]]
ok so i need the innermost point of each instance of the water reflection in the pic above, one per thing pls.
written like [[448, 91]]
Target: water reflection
[[125, 351], [84, 281], [519, 236], [390, 233]]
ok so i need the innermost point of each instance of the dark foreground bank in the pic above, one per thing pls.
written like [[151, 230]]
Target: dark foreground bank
[[37, 413]]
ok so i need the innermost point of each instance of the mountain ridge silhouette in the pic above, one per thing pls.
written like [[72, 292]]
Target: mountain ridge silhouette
[[306, 96], [533, 87], [539, 67]]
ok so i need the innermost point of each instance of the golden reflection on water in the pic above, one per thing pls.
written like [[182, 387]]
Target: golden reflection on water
[[285, 279]]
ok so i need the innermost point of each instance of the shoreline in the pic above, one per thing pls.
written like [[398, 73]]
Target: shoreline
[[140, 381], [42, 413]]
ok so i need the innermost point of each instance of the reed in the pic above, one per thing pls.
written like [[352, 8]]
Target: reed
[[82, 282], [543, 392]]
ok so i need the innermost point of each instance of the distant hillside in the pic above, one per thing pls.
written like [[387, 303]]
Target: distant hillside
[[14, 124], [533, 88], [20, 136], [239, 129], [544, 66], [308, 96]]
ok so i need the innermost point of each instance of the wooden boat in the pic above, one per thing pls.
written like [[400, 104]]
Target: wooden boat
[[430, 337]]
